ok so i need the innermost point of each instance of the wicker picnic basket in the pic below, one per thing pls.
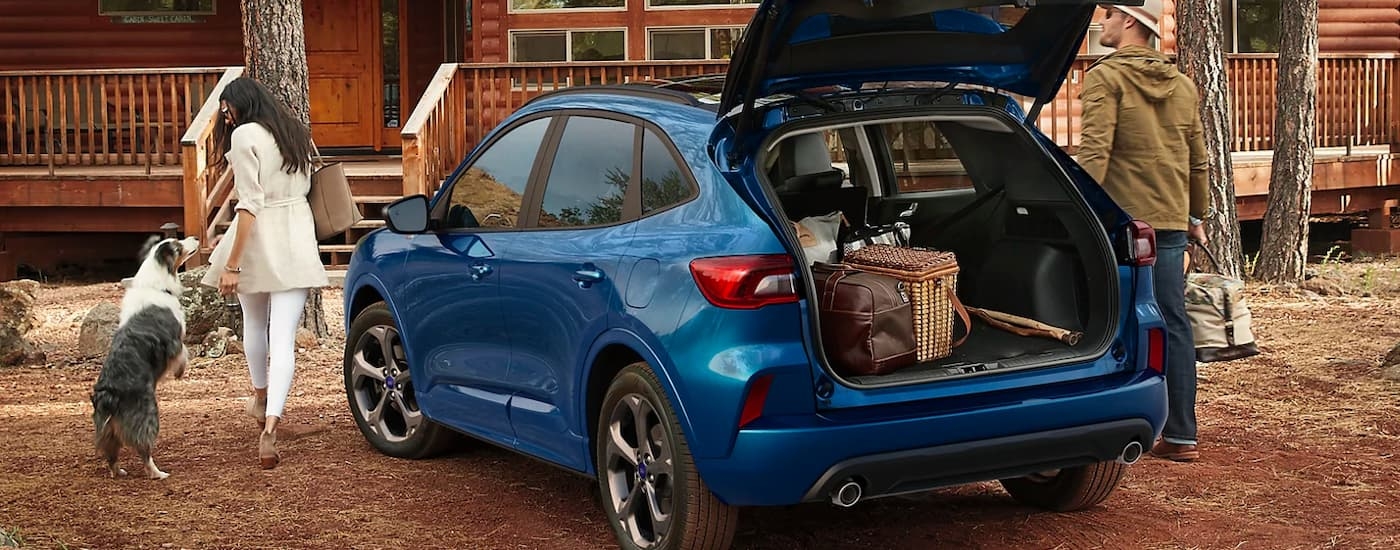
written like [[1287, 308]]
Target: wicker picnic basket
[[932, 277]]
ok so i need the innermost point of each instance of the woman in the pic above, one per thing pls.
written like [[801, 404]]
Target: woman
[[269, 256]]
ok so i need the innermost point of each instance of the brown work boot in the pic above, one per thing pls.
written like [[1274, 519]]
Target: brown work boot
[[1175, 452]]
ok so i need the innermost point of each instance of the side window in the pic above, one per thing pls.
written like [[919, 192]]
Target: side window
[[664, 182], [591, 171], [490, 192], [923, 158]]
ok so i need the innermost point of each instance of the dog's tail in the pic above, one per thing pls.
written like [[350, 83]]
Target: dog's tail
[[104, 407]]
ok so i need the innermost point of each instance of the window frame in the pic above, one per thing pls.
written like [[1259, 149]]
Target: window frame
[[1234, 30], [568, 42], [103, 12], [705, 29], [632, 195], [717, 5], [511, 9], [438, 214]]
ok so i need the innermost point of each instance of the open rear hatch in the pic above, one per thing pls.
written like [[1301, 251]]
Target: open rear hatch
[[794, 45], [826, 49]]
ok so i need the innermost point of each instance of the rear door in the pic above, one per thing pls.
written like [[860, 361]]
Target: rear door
[[560, 277]]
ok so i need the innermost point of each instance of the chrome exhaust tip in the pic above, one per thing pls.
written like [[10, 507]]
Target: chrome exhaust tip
[[847, 495], [1131, 453]]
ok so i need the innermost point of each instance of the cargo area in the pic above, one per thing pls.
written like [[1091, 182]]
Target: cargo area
[[972, 184]]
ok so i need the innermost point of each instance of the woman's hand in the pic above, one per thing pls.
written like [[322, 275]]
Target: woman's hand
[[228, 283]]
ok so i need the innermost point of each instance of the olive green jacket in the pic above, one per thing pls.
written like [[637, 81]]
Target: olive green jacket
[[1142, 137]]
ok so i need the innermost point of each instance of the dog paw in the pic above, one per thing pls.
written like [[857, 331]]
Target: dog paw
[[159, 475], [116, 473]]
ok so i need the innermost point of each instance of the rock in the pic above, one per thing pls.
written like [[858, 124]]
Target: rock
[[216, 343], [100, 323], [1390, 365], [205, 311], [306, 339], [17, 318], [1323, 286]]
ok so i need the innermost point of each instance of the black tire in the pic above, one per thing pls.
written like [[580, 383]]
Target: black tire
[[701, 521], [402, 430], [1069, 489]]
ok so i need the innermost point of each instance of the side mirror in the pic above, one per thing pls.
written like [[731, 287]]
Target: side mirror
[[407, 215]]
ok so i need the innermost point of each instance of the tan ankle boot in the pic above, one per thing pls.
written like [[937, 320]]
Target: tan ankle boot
[[267, 450], [257, 409]]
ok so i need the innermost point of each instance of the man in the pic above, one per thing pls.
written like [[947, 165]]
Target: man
[[1142, 141]]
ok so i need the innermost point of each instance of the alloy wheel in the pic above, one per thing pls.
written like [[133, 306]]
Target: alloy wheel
[[382, 387], [640, 470]]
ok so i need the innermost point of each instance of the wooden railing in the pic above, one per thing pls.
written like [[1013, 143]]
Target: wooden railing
[[1357, 103], [465, 101], [128, 117], [1356, 100], [208, 187]]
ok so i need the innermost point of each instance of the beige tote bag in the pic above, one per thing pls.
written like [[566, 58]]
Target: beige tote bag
[[332, 205]]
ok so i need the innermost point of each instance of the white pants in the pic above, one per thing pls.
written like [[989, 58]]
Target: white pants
[[270, 323]]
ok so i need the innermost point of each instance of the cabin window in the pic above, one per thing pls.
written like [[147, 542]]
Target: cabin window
[[591, 45], [155, 7], [537, 5], [1256, 26], [696, 3], [694, 43]]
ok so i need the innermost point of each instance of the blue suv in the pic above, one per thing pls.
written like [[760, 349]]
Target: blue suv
[[611, 282]]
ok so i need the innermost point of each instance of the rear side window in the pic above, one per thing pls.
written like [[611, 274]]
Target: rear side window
[[922, 158], [664, 181], [588, 181]]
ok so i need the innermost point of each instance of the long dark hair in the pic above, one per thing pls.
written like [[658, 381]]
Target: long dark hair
[[252, 102]]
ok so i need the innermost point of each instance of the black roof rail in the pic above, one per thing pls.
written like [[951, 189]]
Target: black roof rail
[[637, 89]]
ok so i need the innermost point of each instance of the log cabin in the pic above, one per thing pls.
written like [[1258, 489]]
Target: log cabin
[[106, 106]]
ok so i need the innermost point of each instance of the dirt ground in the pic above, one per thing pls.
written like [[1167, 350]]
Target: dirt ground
[[1299, 449]]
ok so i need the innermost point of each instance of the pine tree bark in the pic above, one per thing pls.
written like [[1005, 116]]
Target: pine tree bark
[[274, 53], [1201, 55], [1283, 251]]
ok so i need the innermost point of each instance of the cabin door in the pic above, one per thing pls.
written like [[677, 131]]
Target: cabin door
[[345, 72]]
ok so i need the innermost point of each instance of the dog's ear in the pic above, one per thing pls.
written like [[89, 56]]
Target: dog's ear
[[169, 255], [146, 248]]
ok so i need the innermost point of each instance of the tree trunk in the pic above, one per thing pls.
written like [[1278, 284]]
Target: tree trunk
[[1283, 252], [1201, 45], [274, 53]]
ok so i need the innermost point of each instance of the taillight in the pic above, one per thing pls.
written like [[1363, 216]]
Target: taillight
[[1143, 247], [753, 402], [746, 282], [1157, 350]]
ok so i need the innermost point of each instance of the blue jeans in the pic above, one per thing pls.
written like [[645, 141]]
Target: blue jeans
[[1169, 284]]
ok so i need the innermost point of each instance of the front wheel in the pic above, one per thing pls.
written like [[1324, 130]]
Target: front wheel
[[381, 390], [1068, 489], [651, 491]]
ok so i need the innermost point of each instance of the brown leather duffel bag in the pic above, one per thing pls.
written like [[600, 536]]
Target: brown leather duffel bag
[[867, 322]]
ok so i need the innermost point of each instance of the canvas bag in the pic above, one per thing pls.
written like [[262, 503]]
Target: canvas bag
[[332, 205], [1220, 317]]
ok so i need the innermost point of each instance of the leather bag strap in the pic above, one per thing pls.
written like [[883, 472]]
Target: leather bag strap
[[962, 314]]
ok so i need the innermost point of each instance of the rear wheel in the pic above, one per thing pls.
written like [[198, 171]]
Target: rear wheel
[[380, 389], [653, 496], [1068, 489]]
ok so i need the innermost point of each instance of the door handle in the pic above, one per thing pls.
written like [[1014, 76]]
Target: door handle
[[479, 270], [586, 277]]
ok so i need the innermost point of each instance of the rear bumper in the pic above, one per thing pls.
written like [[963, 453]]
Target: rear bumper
[[793, 460], [1014, 456]]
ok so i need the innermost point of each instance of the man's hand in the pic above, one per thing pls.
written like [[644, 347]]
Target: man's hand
[[1198, 233]]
